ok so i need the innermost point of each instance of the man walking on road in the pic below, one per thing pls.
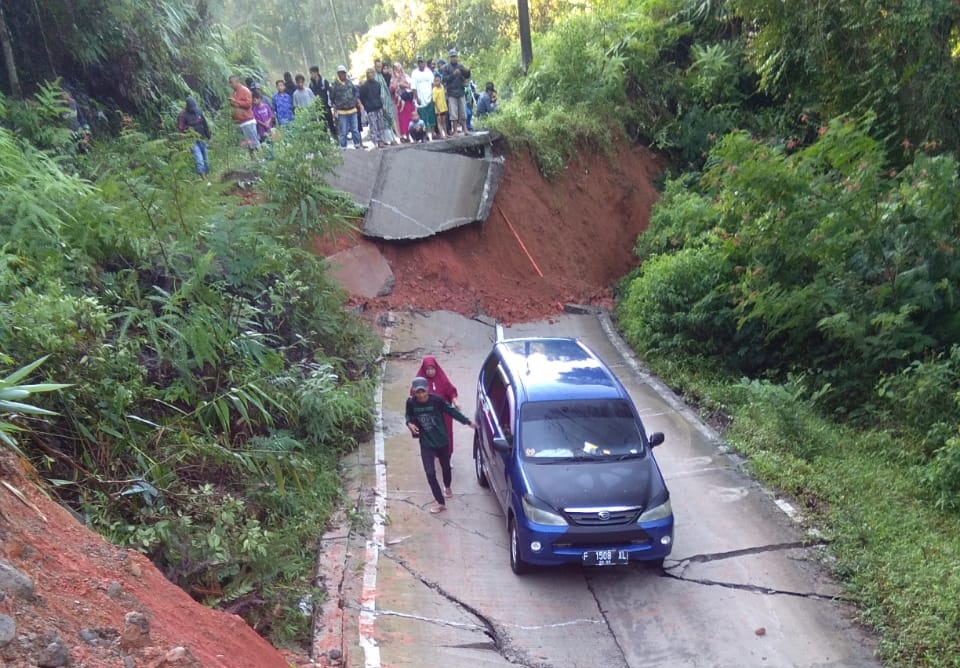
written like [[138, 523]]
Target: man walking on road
[[425, 421]]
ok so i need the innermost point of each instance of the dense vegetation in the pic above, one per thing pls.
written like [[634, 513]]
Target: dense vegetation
[[208, 374], [800, 274]]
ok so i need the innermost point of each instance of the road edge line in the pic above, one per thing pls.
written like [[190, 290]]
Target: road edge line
[[368, 595]]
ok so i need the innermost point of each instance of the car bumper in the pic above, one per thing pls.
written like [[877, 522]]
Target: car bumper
[[648, 541]]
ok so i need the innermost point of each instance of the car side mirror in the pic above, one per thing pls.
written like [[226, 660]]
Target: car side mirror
[[656, 438], [501, 444]]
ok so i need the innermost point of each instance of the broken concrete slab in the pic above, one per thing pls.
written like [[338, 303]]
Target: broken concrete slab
[[362, 271], [357, 175], [418, 190], [421, 193]]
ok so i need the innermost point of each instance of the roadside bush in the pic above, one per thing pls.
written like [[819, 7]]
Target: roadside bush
[[922, 401], [674, 305], [838, 267], [300, 203], [942, 475]]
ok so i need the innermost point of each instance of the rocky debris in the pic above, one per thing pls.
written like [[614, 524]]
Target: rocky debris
[[136, 631], [362, 271], [13, 582], [8, 630], [53, 652]]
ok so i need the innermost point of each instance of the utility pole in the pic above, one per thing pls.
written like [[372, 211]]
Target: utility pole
[[6, 45], [526, 45], [336, 22]]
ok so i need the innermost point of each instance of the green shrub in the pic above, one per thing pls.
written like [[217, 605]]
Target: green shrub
[[552, 134], [213, 372], [941, 475], [921, 401], [674, 306]]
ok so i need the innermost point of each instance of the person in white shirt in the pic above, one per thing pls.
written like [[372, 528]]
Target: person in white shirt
[[422, 80]]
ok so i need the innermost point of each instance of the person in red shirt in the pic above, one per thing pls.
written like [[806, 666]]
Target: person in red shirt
[[242, 103]]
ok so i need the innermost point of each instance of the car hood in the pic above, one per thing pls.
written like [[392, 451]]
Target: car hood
[[631, 482]]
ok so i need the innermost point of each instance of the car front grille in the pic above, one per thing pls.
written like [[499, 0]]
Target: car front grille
[[592, 517]]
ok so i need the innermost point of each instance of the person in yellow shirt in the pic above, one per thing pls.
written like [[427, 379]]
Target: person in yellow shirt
[[440, 106]]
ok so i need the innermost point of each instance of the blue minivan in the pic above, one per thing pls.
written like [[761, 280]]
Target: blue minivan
[[562, 447]]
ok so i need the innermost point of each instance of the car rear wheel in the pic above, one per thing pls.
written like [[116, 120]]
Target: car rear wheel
[[517, 564], [478, 462]]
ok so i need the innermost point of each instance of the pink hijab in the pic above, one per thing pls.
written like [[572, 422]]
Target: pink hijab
[[439, 384]]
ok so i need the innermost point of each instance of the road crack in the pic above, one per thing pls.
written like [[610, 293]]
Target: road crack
[[677, 570], [500, 640], [610, 632]]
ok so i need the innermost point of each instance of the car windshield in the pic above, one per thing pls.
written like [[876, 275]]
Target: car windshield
[[601, 429]]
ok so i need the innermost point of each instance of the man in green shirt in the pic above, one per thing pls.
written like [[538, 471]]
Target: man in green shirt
[[425, 421]]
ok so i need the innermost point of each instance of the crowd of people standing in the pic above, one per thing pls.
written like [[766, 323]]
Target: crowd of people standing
[[435, 100]]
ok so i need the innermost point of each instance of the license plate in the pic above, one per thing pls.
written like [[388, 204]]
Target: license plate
[[605, 558]]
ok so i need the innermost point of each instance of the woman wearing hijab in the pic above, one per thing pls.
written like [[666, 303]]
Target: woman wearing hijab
[[440, 385], [404, 99]]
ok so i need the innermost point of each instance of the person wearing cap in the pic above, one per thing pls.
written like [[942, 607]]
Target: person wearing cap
[[455, 78], [344, 100], [425, 420], [487, 103], [421, 80]]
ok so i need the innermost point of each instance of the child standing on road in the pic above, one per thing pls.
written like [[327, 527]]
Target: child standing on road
[[424, 420], [440, 105]]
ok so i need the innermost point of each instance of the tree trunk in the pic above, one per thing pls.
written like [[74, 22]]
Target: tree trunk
[[7, 46]]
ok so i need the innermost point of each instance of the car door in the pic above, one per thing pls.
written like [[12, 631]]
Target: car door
[[496, 401]]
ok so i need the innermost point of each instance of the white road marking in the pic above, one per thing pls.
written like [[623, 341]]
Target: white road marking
[[368, 595], [788, 508]]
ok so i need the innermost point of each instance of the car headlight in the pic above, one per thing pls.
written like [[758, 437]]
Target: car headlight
[[540, 515], [663, 511]]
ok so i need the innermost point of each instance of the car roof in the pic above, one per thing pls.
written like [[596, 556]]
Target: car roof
[[549, 369]]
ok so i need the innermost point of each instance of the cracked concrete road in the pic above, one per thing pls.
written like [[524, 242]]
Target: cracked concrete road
[[744, 587]]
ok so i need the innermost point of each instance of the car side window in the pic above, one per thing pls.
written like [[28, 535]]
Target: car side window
[[499, 395]]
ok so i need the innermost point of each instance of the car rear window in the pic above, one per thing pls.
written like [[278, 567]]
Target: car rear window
[[593, 429]]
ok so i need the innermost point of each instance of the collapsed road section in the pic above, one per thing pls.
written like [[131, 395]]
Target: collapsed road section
[[414, 191]]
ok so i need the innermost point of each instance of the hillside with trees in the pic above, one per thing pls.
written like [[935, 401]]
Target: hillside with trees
[[178, 343]]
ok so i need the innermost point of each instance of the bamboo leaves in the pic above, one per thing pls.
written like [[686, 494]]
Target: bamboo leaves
[[12, 396]]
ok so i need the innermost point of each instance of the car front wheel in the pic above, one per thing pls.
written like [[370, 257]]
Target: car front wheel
[[517, 564], [478, 462]]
